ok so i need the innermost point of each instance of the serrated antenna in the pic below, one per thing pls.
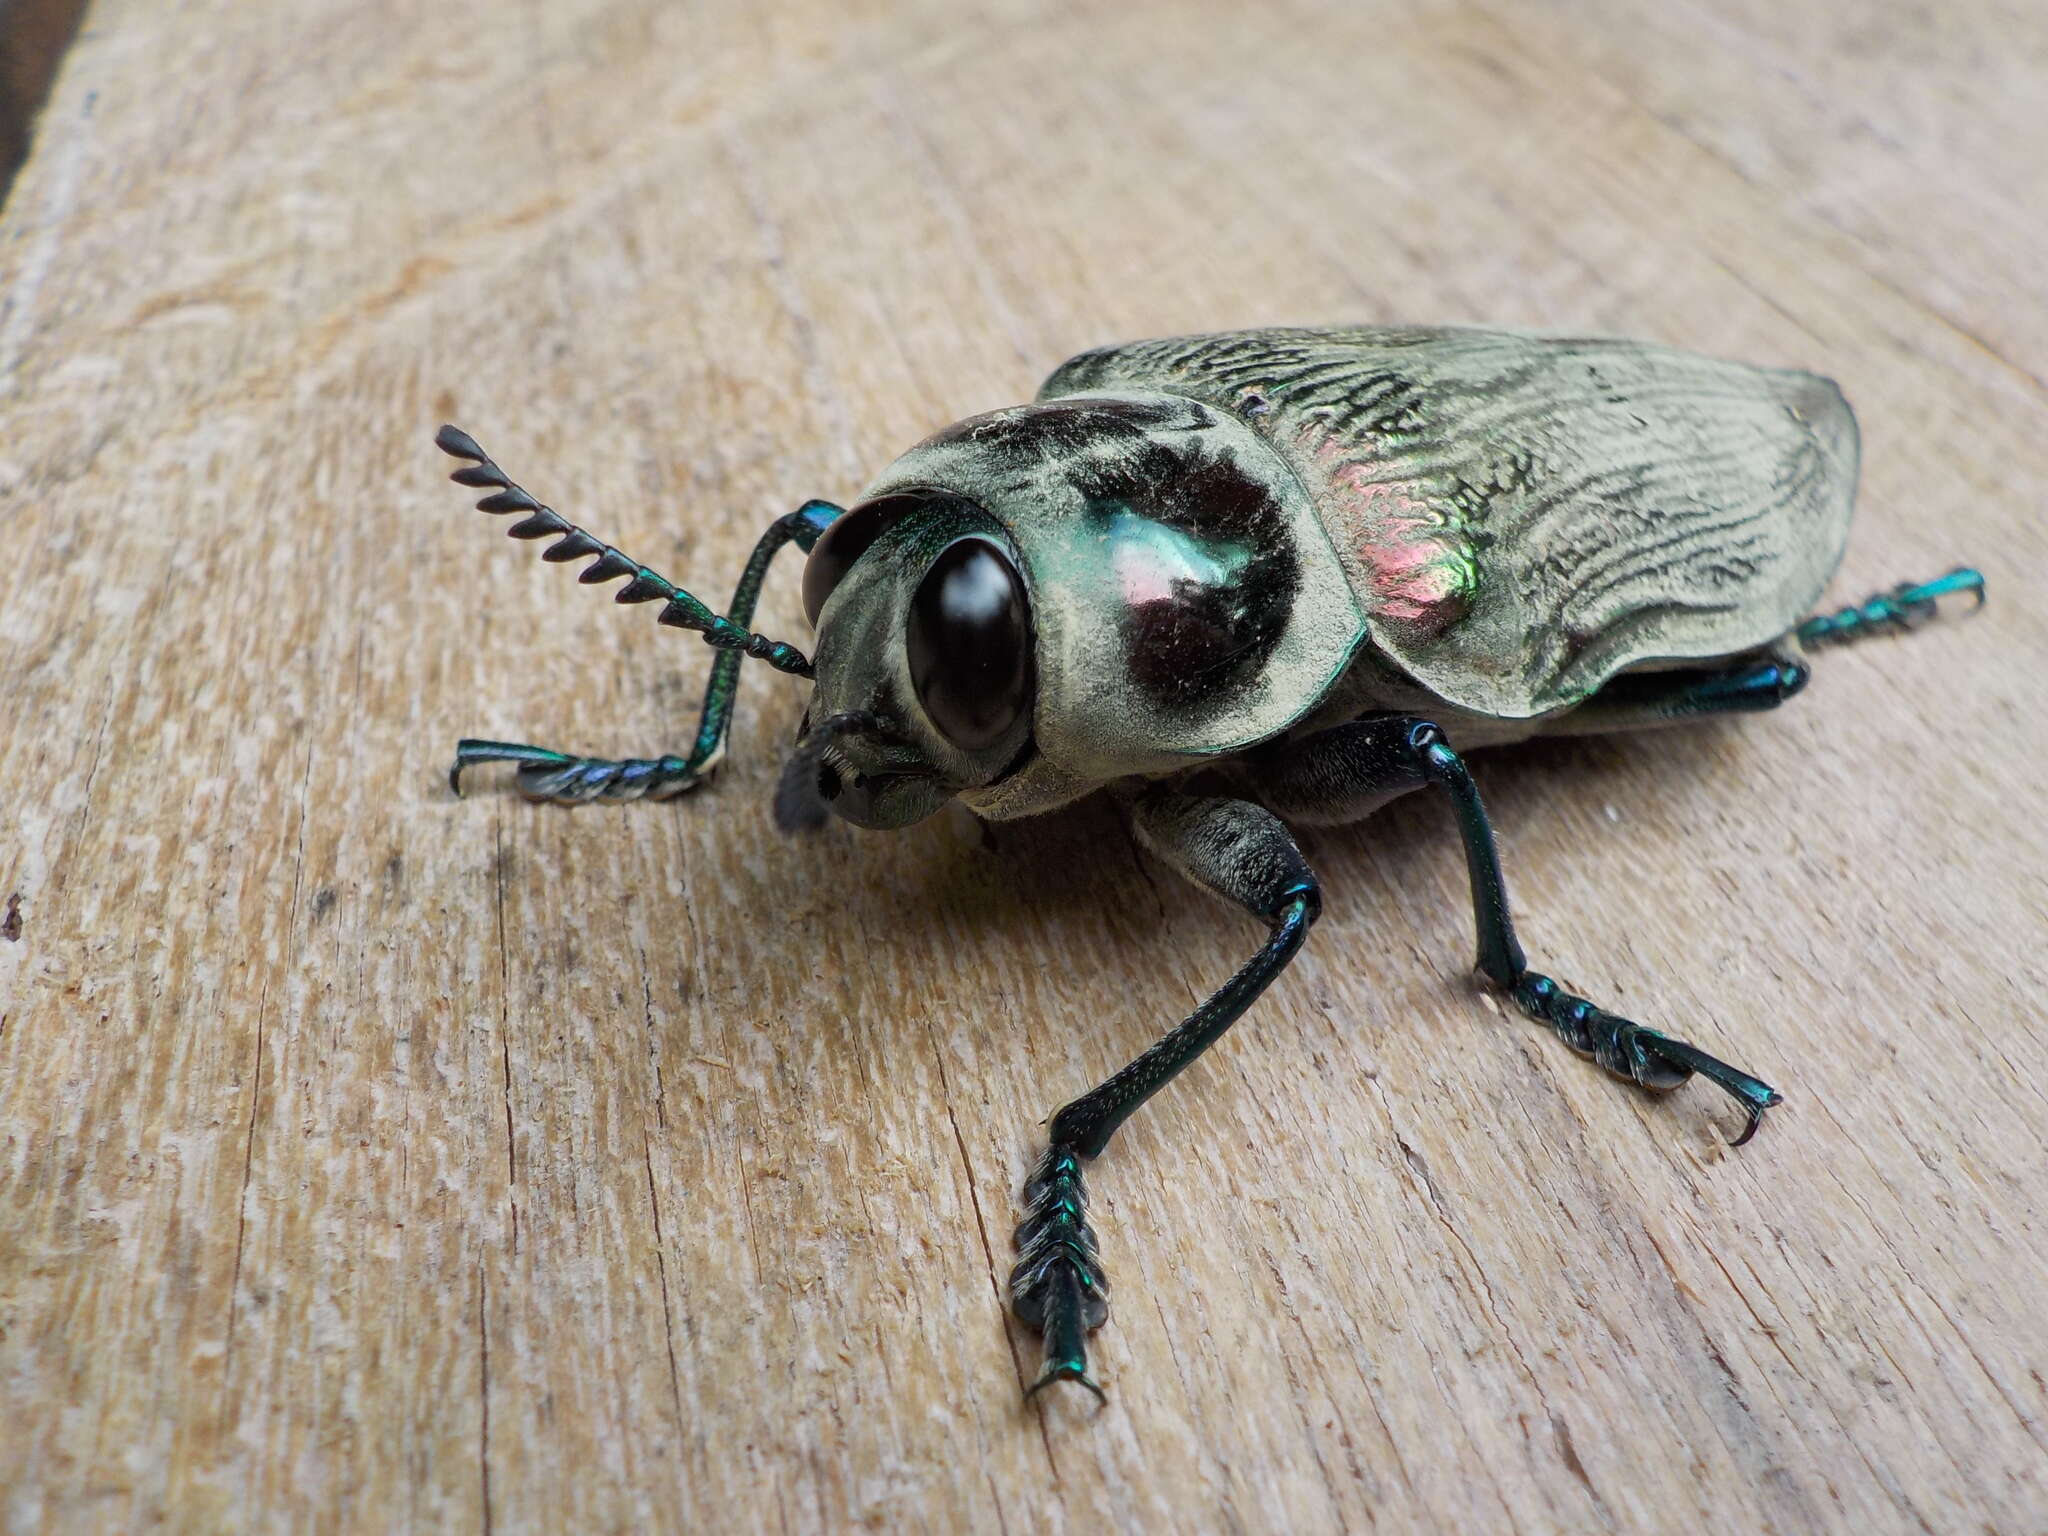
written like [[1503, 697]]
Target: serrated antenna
[[680, 611]]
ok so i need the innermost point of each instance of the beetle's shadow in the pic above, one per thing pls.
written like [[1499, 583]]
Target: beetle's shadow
[[1080, 859]]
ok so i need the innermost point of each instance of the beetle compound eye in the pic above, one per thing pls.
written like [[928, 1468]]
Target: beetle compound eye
[[844, 542], [969, 642]]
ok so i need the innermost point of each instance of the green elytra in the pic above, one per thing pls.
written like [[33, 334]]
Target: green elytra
[[1265, 578]]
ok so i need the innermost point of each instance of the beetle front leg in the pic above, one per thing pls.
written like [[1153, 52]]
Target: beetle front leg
[[545, 774], [1246, 855], [1348, 770], [568, 780]]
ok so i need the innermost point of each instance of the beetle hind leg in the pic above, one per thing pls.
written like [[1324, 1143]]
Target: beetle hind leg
[[1349, 769], [1905, 607], [1638, 701]]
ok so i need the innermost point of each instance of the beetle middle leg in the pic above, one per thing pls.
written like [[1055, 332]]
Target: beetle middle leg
[[564, 779], [1244, 854], [1347, 771]]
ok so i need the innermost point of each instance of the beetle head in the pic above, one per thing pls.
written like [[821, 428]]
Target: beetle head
[[924, 661]]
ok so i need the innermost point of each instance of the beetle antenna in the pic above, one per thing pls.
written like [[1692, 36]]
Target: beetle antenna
[[799, 801], [682, 611]]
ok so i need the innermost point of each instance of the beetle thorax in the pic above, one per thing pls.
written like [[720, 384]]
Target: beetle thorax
[[1185, 600]]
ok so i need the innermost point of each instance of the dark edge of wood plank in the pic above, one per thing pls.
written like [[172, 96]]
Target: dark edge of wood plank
[[34, 35]]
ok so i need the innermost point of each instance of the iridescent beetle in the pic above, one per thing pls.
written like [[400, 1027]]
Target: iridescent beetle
[[1273, 576]]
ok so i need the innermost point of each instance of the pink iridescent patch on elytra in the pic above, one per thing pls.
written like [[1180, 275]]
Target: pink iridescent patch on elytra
[[1418, 568]]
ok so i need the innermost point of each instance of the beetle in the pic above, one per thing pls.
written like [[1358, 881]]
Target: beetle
[[1269, 577]]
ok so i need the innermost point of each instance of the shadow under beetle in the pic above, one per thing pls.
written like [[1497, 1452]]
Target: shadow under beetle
[[1307, 561]]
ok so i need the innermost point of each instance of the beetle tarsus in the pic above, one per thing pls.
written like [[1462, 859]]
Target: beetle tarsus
[[1646, 1057], [560, 779], [1905, 607], [1057, 1286]]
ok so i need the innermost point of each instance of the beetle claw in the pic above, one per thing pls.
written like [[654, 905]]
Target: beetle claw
[[1066, 1370], [1753, 1094], [1756, 1118]]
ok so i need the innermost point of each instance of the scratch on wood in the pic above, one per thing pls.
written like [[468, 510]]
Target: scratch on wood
[[668, 1322], [1561, 1431], [248, 1167], [505, 1024], [483, 1329]]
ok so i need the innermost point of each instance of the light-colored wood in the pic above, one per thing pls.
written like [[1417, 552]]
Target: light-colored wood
[[371, 1159]]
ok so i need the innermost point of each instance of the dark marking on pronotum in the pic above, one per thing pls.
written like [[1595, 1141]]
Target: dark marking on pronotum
[[10, 925], [1197, 640], [1055, 430]]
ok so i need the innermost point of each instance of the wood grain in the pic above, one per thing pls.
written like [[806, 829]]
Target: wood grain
[[372, 1160]]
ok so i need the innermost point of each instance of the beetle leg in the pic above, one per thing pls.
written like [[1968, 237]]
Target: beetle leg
[[1246, 855], [1637, 700], [1625, 1048], [565, 780], [1348, 770], [1906, 606], [556, 776]]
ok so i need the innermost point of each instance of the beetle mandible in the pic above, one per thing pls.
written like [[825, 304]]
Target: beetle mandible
[[1307, 562]]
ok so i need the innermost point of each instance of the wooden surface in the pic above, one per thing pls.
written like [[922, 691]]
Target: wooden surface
[[371, 1159]]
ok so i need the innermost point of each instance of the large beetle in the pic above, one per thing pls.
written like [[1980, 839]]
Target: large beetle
[[1299, 564]]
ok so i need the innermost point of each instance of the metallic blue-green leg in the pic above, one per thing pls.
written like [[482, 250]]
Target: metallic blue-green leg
[[1640, 700], [1350, 770], [568, 780], [1243, 853], [1646, 1057], [1905, 607]]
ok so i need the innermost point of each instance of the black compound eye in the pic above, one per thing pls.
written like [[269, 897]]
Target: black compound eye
[[969, 643], [844, 542]]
